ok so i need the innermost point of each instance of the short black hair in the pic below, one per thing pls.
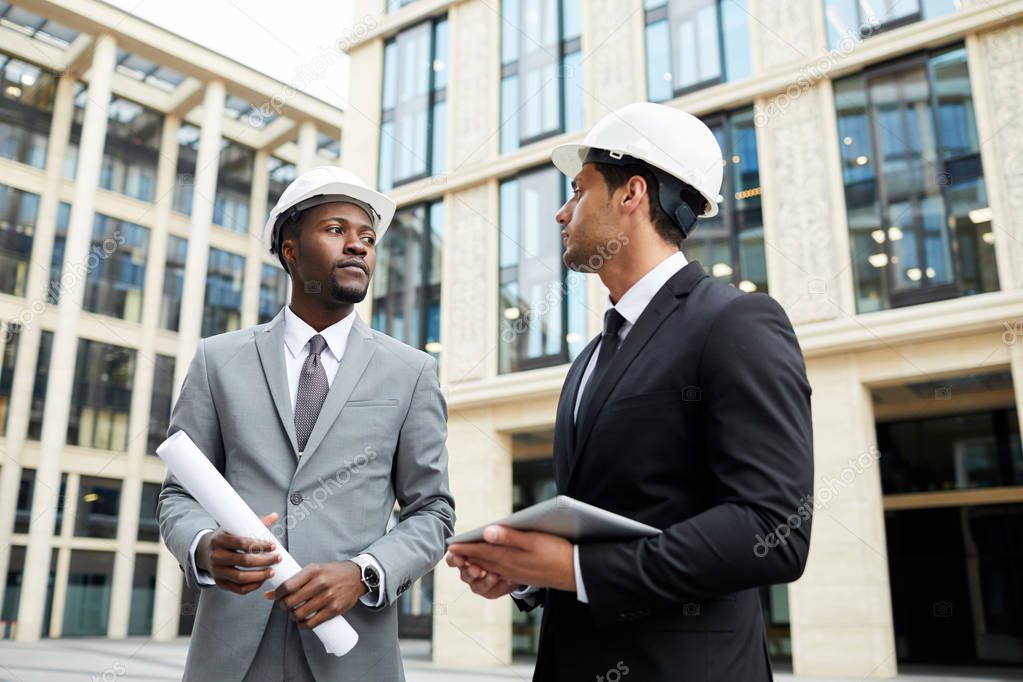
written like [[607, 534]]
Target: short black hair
[[617, 176], [289, 228]]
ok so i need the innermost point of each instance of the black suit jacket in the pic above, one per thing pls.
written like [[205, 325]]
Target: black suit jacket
[[700, 427]]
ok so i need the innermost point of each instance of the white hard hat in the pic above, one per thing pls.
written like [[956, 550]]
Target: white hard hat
[[323, 185], [667, 139]]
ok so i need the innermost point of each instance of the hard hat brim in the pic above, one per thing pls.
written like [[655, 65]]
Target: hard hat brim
[[569, 159]]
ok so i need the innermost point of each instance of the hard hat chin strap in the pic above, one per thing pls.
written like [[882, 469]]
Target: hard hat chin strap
[[670, 190]]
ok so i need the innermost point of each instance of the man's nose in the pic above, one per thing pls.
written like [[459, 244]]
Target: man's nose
[[356, 246], [562, 216]]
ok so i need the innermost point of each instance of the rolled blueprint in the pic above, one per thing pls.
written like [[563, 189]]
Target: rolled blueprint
[[203, 482]]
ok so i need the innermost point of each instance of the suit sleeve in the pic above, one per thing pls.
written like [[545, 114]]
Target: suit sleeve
[[180, 516], [756, 410], [426, 516]]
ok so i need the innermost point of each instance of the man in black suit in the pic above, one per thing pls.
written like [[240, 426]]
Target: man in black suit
[[690, 413]]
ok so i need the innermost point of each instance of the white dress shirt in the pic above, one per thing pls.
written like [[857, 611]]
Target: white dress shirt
[[297, 334], [631, 306]]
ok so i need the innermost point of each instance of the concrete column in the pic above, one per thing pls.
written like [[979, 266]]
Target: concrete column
[[841, 609], [362, 129], [306, 147], [167, 598], [138, 423], [194, 288], [65, 340], [467, 630], [35, 296], [255, 250]]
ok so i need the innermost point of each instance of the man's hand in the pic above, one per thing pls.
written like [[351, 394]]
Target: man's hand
[[218, 555], [514, 558], [319, 592], [487, 585]]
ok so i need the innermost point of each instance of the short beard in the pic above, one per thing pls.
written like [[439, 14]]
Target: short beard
[[343, 294]]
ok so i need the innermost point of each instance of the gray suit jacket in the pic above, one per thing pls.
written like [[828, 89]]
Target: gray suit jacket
[[379, 438]]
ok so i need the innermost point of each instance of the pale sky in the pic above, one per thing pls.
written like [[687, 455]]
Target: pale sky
[[277, 38]]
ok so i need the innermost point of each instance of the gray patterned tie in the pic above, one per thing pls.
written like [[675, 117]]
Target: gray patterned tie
[[312, 391]]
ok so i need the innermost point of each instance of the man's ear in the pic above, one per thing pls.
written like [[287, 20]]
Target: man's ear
[[635, 190]]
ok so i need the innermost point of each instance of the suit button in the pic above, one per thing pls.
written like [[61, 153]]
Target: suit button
[[296, 498]]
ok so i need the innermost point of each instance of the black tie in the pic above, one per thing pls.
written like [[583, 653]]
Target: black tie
[[609, 342]]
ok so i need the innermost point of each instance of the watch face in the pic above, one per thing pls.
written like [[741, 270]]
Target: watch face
[[371, 578]]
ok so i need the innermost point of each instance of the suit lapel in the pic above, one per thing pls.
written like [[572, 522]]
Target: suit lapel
[[358, 353], [564, 431], [665, 302], [270, 346]]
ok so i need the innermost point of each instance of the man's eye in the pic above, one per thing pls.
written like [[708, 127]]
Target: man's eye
[[370, 240], [335, 228]]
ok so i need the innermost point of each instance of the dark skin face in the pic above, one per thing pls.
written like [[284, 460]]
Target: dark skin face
[[331, 262]]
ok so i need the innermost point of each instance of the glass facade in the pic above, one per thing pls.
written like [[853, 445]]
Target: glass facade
[[223, 305], [918, 209], [26, 108], [161, 401], [184, 180], [406, 284], [18, 211], [234, 185], [273, 290], [117, 268], [98, 502], [281, 175], [101, 398], [35, 419], [10, 333], [173, 283], [57, 253], [87, 605], [541, 70], [23, 506], [413, 129], [693, 44], [850, 21], [149, 529], [143, 592], [131, 150], [542, 302], [731, 244]]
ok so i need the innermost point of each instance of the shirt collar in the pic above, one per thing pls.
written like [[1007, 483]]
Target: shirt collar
[[297, 333], [638, 297]]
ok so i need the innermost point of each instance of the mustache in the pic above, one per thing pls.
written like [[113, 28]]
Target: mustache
[[353, 262]]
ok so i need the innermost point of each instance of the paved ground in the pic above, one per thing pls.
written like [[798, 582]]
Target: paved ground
[[143, 660]]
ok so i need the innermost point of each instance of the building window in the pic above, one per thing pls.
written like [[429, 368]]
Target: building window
[[131, 150], [542, 302], [10, 334], [143, 592], [188, 155], [395, 5], [173, 283], [98, 502], [850, 21], [35, 419], [413, 129], [101, 399], [222, 310], [57, 254], [541, 70], [731, 244], [12, 588], [693, 44], [273, 291], [70, 165], [281, 175], [26, 491], [406, 286], [114, 285], [18, 211], [918, 210], [149, 527], [160, 401], [234, 185], [26, 108], [87, 604]]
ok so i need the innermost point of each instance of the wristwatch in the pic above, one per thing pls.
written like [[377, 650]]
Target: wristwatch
[[370, 576]]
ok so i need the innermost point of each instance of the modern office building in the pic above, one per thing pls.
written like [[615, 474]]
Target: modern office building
[[873, 184], [135, 173]]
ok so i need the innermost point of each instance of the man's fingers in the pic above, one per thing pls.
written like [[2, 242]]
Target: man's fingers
[[270, 519], [231, 541], [227, 557], [453, 560], [293, 583], [502, 535], [311, 606], [245, 577]]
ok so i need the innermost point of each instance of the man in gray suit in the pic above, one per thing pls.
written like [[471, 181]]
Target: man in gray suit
[[322, 424]]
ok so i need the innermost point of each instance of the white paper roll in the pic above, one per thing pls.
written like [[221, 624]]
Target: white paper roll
[[203, 482]]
